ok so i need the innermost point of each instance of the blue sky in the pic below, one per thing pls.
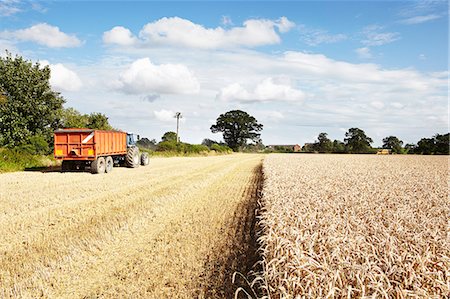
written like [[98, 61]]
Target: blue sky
[[300, 67]]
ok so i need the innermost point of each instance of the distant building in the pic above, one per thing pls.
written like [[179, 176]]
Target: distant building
[[297, 148]]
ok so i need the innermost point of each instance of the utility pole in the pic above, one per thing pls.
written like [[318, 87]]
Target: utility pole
[[178, 116]]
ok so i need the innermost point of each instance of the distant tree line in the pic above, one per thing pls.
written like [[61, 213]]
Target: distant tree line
[[30, 110], [357, 142], [170, 144]]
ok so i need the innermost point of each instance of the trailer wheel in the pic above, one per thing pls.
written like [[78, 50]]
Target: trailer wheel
[[144, 159], [132, 158], [98, 166], [109, 164]]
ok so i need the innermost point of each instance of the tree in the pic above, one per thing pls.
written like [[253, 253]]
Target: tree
[[209, 142], [338, 146], [323, 144], [169, 136], [426, 146], [28, 106], [410, 148], [393, 143], [98, 121], [71, 118], [356, 141], [237, 127], [442, 144]]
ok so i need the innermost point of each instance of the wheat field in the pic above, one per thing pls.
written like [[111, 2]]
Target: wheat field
[[355, 226], [178, 228]]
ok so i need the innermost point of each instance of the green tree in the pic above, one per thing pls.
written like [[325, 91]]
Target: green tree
[[357, 141], [28, 106], [71, 118], [169, 136], [338, 146], [323, 144], [410, 148], [426, 146], [98, 121], [442, 144], [393, 143], [237, 127]]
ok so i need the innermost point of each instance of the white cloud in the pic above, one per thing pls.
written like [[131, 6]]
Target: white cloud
[[420, 19], [284, 25], [9, 7], [144, 77], [120, 36], [397, 105], [43, 34], [180, 32], [164, 115], [373, 36], [314, 37], [268, 90], [377, 104], [364, 53], [422, 56], [62, 78]]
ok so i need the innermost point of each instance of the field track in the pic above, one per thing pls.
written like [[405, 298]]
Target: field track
[[176, 228]]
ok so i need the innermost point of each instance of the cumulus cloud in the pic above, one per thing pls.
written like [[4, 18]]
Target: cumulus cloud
[[374, 37], [62, 78], [180, 32], [120, 36], [164, 115], [144, 77], [364, 53], [43, 34], [267, 90]]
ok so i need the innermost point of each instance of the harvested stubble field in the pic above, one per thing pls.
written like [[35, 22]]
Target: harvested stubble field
[[354, 226], [178, 228]]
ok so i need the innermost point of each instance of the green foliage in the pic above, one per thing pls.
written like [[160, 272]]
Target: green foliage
[[323, 144], [221, 148], [37, 146], [98, 121], [237, 126], [393, 143], [17, 160], [357, 142], [169, 136], [28, 106], [71, 118], [146, 143]]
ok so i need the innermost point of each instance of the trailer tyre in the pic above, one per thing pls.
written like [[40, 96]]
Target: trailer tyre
[[109, 164], [132, 158], [144, 159], [98, 166]]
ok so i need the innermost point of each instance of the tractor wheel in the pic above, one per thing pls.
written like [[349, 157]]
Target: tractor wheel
[[144, 159], [66, 166], [132, 158], [109, 164], [98, 166]]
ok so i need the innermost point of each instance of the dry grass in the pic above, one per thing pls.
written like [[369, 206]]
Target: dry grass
[[152, 232], [349, 226]]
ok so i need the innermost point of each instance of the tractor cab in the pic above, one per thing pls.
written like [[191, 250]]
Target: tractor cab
[[131, 140]]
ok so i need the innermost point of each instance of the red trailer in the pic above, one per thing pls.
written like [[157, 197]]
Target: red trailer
[[101, 150]]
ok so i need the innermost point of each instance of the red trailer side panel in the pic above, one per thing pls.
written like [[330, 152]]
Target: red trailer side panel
[[86, 144]]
